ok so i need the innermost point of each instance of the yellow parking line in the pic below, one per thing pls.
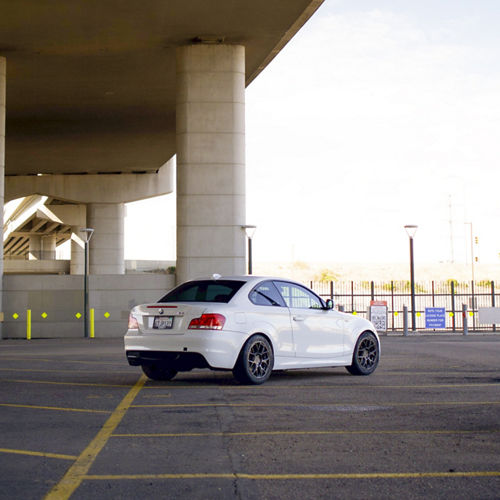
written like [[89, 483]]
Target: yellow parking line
[[38, 454], [119, 477], [53, 408], [39, 370], [77, 472], [332, 386], [84, 384], [303, 433], [36, 370], [429, 386], [380, 404], [239, 475], [40, 343], [46, 360], [415, 373]]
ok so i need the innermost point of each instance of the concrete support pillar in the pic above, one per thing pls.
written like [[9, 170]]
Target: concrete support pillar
[[49, 247], [77, 264], [3, 81], [106, 248], [210, 110], [35, 247]]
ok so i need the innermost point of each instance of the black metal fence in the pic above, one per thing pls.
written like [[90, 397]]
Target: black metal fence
[[355, 297]]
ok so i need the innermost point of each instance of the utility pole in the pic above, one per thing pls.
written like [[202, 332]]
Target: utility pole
[[472, 258], [452, 252]]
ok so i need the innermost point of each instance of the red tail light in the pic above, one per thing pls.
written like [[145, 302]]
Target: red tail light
[[208, 322], [133, 324]]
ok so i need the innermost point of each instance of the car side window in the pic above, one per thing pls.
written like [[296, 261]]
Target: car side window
[[266, 294], [297, 296]]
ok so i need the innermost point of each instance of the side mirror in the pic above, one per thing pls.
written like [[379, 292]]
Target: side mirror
[[329, 304]]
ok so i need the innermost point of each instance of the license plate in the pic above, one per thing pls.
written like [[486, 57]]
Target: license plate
[[163, 322]]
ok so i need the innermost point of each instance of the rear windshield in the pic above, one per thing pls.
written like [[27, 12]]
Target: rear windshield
[[204, 291]]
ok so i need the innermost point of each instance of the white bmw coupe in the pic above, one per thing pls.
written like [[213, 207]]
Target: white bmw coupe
[[250, 325]]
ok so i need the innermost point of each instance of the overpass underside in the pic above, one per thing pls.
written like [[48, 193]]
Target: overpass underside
[[101, 105]]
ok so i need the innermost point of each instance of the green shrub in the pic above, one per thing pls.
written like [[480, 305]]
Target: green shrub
[[484, 283]]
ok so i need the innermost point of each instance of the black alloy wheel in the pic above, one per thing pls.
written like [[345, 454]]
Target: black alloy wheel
[[255, 362], [366, 355]]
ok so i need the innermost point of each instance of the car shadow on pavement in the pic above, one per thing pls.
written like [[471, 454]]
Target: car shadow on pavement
[[226, 379]]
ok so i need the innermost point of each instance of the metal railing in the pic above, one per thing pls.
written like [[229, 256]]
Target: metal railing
[[355, 297]]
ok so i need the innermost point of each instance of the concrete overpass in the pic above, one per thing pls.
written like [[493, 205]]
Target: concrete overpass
[[96, 99]]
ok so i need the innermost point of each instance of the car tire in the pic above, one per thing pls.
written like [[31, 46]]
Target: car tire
[[365, 356], [158, 372], [255, 362]]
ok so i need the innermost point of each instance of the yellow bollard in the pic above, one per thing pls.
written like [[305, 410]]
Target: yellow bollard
[[28, 324], [92, 324]]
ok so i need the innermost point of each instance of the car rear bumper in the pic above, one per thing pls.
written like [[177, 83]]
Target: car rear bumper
[[179, 361], [210, 349]]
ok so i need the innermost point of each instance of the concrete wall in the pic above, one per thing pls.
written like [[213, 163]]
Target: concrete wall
[[20, 266], [61, 298]]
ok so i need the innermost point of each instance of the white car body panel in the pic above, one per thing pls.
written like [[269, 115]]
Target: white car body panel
[[275, 324], [318, 334]]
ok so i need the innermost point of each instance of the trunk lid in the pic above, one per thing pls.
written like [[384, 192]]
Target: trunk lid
[[169, 319]]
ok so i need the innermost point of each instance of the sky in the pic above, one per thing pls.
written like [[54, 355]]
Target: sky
[[377, 114]]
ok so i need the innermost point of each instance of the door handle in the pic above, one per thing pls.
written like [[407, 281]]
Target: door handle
[[298, 318]]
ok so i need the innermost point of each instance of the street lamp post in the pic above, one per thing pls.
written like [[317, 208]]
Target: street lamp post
[[86, 235], [411, 229], [250, 231]]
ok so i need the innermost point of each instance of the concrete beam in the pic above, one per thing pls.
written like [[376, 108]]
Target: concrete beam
[[93, 188], [10, 245], [71, 215]]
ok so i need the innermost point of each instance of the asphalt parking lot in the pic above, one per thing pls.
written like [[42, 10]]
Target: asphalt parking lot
[[76, 421]]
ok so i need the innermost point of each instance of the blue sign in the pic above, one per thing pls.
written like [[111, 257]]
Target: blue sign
[[435, 317]]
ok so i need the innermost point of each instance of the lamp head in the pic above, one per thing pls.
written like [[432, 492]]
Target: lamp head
[[411, 229], [249, 230], [87, 233]]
